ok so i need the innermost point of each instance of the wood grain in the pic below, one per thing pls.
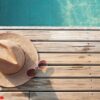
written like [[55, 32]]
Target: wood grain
[[67, 58], [65, 96], [73, 66], [69, 71], [59, 84], [67, 46], [58, 35], [14, 95]]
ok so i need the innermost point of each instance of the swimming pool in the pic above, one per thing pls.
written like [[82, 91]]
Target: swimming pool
[[50, 12]]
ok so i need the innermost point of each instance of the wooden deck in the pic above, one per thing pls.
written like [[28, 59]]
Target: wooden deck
[[73, 71]]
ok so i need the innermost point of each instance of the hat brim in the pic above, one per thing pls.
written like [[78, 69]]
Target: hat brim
[[31, 61]]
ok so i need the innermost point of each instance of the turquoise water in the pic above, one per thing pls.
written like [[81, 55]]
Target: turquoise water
[[50, 12]]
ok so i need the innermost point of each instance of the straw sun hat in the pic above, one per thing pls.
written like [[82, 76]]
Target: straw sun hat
[[17, 56]]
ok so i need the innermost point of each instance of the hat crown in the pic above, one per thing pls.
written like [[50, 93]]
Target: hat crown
[[11, 57]]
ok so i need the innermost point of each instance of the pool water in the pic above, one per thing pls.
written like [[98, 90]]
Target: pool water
[[50, 12]]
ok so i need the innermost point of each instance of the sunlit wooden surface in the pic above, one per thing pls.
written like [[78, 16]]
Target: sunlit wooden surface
[[73, 70]]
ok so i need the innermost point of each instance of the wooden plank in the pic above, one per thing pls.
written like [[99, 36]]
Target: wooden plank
[[62, 35], [69, 71], [60, 84], [67, 46], [67, 58], [96, 84], [49, 28], [95, 71], [14, 95], [65, 96]]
